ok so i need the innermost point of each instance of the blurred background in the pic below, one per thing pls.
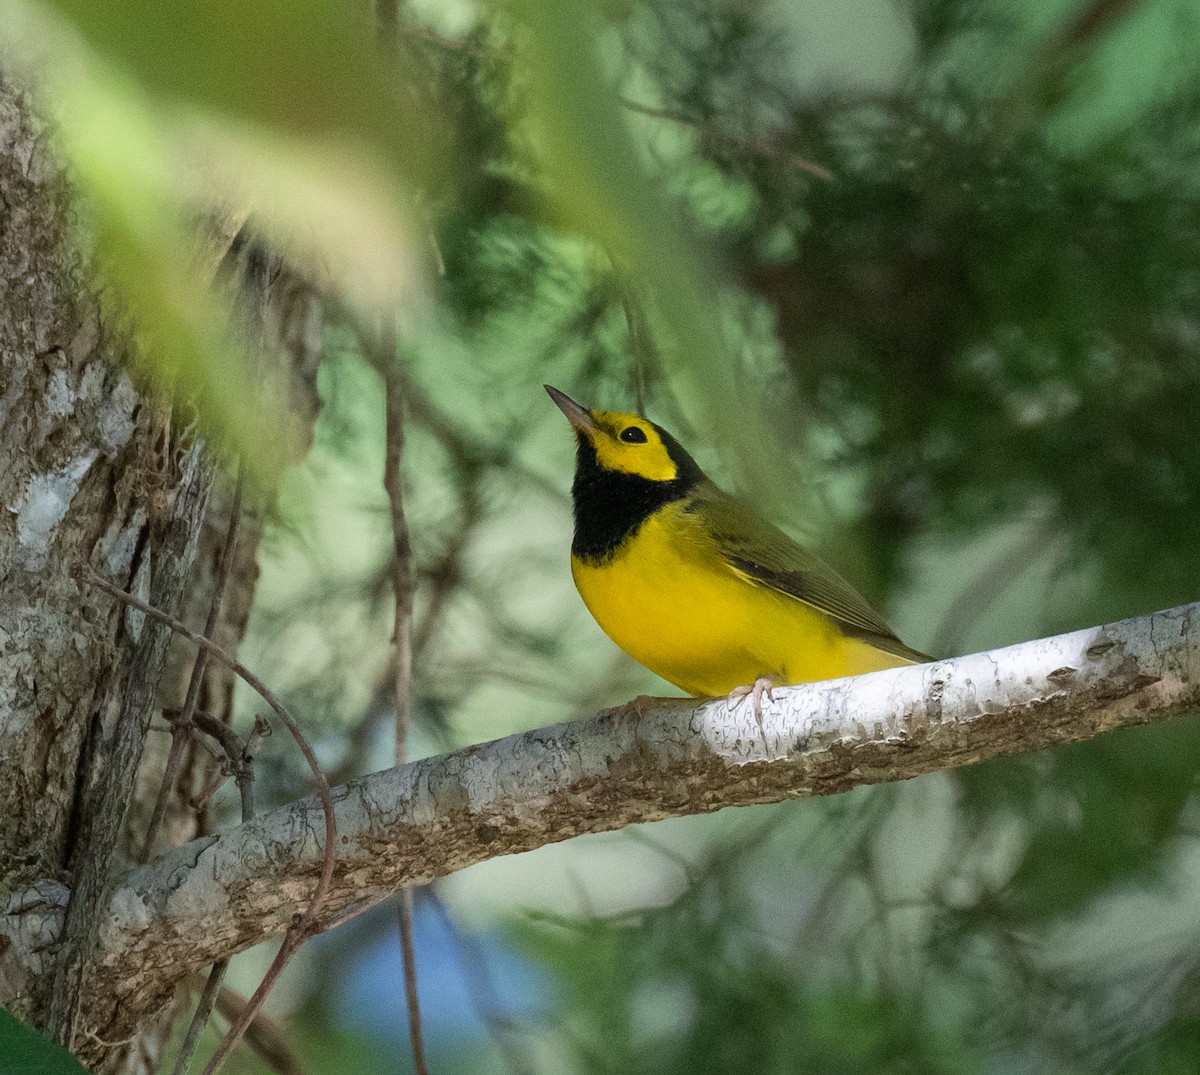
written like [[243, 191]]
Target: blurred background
[[921, 278]]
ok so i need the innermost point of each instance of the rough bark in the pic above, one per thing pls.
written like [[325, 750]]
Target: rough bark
[[76, 452], [92, 474], [221, 894], [114, 755]]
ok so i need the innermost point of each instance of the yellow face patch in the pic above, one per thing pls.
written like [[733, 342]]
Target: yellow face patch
[[627, 443]]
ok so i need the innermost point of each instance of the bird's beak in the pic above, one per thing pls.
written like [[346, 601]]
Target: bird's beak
[[579, 417]]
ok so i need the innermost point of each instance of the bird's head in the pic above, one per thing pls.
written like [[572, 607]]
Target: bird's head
[[626, 443]]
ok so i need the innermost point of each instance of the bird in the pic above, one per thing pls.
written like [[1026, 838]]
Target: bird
[[696, 585]]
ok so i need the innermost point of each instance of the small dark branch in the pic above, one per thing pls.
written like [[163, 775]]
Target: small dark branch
[[263, 1035], [984, 589], [402, 560], [404, 916], [181, 726], [402, 644], [382, 351], [1045, 80], [639, 350], [241, 762], [447, 572], [204, 1007], [481, 988], [244, 673], [387, 14], [387, 20], [244, 778], [239, 755], [756, 147], [301, 923]]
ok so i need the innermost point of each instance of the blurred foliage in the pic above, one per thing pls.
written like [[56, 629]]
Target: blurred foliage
[[700, 989], [923, 279]]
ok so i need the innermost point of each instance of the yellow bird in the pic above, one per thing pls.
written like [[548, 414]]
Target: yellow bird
[[694, 584]]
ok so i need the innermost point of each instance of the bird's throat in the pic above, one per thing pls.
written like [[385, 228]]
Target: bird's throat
[[611, 506]]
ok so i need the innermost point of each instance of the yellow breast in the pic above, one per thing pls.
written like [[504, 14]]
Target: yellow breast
[[670, 600]]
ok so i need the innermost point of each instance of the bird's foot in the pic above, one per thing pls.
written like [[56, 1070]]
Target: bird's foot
[[761, 685]]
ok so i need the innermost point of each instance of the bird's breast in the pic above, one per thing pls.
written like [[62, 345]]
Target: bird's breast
[[669, 598]]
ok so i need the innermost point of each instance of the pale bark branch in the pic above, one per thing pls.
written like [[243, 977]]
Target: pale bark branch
[[410, 825]]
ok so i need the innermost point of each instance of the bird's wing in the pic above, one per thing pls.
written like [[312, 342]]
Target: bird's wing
[[757, 549]]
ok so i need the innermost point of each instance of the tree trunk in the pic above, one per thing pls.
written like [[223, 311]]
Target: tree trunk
[[90, 476], [94, 475]]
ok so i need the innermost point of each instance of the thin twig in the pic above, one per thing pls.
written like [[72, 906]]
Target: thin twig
[[639, 347], [263, 1035], [402, 645], [204, 1007], [756, 147], [402, 561], [481, 988], [240, 757], [984, 590], [1045, 81], [181, 727], [239, 754], [239, 669], [301, 922], [404, 915]]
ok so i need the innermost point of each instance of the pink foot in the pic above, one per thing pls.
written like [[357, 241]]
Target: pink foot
[[762, 685]]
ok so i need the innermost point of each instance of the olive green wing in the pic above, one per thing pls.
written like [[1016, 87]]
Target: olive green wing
[[757, 549]]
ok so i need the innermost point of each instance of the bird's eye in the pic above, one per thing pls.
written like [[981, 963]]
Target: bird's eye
[[633, 435]]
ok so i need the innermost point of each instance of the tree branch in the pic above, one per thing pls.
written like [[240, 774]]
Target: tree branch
[[224, 893]]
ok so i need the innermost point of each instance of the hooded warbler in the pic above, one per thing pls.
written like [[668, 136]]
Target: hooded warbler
[[694, 584]]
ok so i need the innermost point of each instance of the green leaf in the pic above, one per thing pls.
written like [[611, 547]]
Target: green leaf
[[184, 340], [285, 112], [601, 189], [305, 68], [24, 1051]]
